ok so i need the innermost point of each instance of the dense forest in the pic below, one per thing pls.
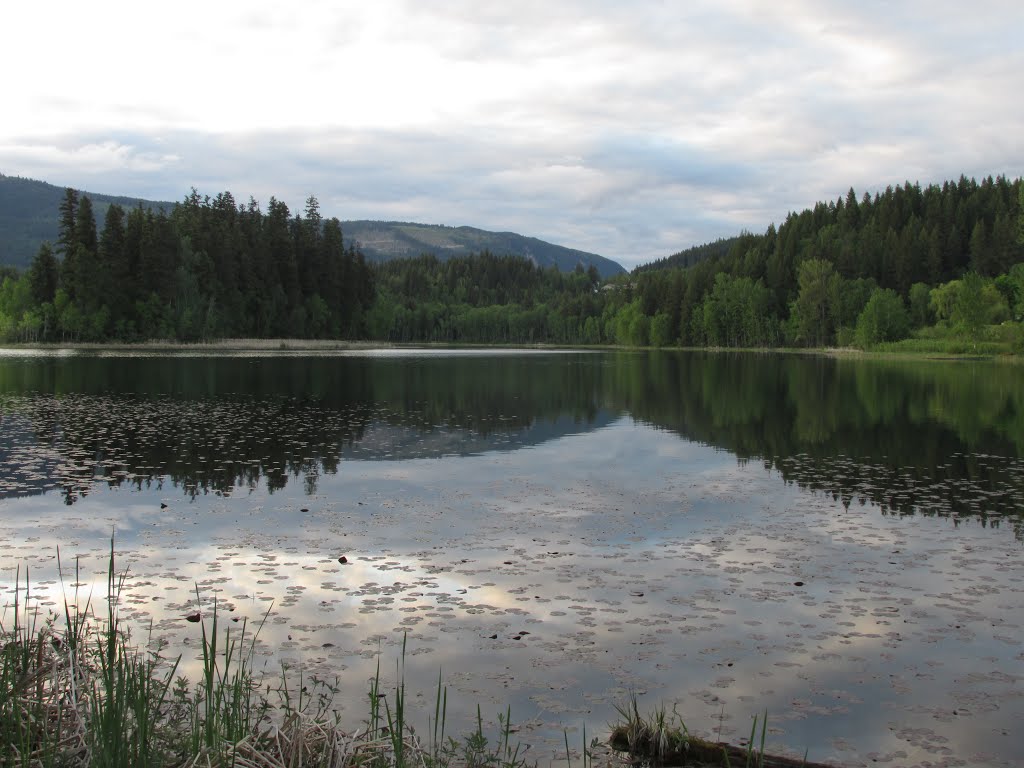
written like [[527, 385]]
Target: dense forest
[[28, 215], [691, 256], [938, 263], [210, 269], [853, 270]]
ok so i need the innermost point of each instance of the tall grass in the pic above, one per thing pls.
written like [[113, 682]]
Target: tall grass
[[127, 691], [23, 708], [75, 691], [474, 750], [662, 738]]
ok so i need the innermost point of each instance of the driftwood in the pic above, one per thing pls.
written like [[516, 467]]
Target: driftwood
[[702, 754]]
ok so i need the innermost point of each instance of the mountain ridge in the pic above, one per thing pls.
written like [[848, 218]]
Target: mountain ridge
[[29, 216], [382, 240]]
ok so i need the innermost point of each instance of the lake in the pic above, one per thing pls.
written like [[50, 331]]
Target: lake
[[835, 541]]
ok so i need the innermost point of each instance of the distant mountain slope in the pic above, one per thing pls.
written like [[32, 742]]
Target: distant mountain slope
[[383, 240], [28, 216]]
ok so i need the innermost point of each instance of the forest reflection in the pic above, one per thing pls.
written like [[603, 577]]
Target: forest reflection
[[913, 437]]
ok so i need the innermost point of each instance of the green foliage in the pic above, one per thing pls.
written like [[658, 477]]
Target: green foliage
[[899, 238], [920, 305], [1017, 338], [213, 268], [942, 300], [1012, 288], [977, 302], [44, 275], [691, 256], [884, 318], [482, 298], [847, 300], [630, 326], [209, 269], [28, 219], [818, 286], [1020, 215], [736, 314], [661, 330]]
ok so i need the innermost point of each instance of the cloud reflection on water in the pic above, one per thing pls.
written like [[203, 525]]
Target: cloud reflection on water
[[634, 560]]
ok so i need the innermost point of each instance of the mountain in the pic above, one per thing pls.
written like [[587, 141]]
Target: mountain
[[384, 240], [29, 211], [28, 215]]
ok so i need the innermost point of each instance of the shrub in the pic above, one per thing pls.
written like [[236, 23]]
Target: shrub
[[884, 318]]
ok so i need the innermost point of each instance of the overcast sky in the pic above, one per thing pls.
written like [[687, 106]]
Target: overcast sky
[[632, 130]]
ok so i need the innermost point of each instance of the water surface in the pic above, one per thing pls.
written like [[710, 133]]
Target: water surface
[[838, 542]]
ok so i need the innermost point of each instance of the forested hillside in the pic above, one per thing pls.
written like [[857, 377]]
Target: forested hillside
[[29, 217], [389, 240], [485, 299], [942, 266], [691, 256], [210, 269], [807, 282]]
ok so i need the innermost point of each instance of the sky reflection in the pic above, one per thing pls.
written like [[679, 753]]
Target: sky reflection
[[555, 565], [558, 578]]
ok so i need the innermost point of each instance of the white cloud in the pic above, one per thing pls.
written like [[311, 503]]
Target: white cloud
[[629, 130], [89, 158]]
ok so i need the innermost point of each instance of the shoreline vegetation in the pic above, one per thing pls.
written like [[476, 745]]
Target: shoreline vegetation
[[76, 691], [937, 269], [950, 352]]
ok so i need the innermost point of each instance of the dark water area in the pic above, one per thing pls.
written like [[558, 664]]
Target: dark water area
[[838, 541]]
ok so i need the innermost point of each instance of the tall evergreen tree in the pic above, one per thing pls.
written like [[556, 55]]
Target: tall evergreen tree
[[1020, 213], [114, 276], [67, 218], [85, 225], [309, 250], [285, 291], [43, 275]]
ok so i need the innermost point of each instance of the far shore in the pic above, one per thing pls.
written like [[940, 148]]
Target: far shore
[[338, 345]]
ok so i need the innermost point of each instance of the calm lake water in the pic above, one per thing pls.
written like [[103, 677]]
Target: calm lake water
[[836, 541]]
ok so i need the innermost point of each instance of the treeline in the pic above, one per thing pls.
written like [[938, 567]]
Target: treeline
[[691, 256], [210, 269], [809, 282], [939, 263], [485, 299], [943, 263]]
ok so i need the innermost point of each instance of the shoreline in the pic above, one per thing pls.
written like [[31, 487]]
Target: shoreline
[[330, 345]]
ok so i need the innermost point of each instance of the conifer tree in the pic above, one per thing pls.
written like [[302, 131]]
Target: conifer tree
[[43, 275], [113, 275], [68, 217]]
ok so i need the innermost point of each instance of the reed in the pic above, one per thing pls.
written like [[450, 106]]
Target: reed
[[77, 692], [661, 738]]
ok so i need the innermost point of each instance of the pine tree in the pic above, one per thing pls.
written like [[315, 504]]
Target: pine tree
[[85, 225], [981, 249], [309, 250], [68, 216], [43, 276], [1020, 212], [113, 276]]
